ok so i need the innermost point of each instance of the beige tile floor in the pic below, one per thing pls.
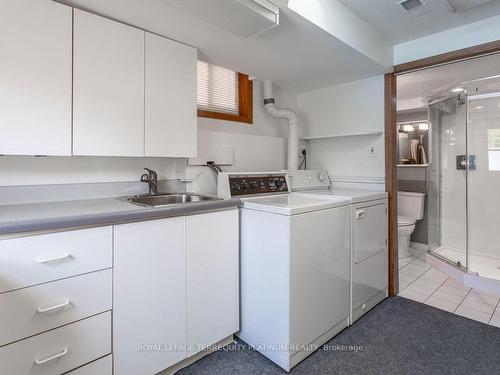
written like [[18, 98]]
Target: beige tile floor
[[422, 283]]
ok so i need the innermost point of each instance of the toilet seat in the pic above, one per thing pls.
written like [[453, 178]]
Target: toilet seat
[[405, 221]]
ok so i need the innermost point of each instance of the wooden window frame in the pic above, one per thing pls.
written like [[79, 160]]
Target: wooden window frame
[[245, 104]]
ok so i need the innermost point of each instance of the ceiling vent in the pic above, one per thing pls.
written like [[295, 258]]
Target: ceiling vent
[[413, 7], [245, 18]]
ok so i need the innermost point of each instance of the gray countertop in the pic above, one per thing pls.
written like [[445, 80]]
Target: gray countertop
[[18, 218]]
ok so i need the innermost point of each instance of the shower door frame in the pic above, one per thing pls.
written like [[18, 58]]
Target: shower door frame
[[391, 138]]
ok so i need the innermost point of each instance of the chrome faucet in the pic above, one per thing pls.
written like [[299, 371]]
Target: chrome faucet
[[152, 179]]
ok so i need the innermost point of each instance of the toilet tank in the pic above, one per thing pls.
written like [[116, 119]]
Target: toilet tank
[[411, 204]]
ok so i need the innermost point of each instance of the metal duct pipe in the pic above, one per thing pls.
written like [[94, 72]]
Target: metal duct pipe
[[293, 124]]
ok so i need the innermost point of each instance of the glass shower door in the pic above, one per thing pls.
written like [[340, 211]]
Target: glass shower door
[[483, 141], [447, 181]]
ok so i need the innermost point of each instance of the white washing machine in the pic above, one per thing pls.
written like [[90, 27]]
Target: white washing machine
[[369, 256], [295, 255]]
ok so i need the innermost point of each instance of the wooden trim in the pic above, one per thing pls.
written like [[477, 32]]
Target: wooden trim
[[444, 58], [391, 141], [391, 180], [245, 98]]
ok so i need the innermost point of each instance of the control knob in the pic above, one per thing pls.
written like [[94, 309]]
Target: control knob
[[279, 185]]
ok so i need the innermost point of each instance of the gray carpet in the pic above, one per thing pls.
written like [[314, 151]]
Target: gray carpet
[[398, 337]]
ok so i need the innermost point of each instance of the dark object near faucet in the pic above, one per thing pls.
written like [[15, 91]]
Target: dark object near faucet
[[152, 179], [216, 168]]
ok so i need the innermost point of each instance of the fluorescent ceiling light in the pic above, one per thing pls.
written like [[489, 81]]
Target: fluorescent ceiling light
[[408, 128], [458, 89], [479, 107], [423, 126]]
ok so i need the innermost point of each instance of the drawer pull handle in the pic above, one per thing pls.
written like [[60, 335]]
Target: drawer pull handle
[[54, 259], [51, 358], [360, 215], [55, 307]]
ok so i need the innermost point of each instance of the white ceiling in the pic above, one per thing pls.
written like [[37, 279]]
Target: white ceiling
[[297, 55], [393, 23], [440, 80]]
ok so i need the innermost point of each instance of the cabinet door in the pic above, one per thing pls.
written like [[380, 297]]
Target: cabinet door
[[370, 230], [35, 78], [149, 296], [213, 278], [108, 87], [170, 98]]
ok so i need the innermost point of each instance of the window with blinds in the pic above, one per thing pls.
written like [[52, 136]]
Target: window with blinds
[[224, 94], [217, 89]]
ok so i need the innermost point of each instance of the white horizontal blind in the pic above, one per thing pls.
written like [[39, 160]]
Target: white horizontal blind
[[217, 89]]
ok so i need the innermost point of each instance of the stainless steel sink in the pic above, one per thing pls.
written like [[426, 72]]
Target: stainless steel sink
[[167, 199]]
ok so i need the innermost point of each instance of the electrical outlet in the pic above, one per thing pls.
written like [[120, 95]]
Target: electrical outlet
[[371, 152]]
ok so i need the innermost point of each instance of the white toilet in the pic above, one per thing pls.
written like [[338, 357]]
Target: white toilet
[[410, 209]]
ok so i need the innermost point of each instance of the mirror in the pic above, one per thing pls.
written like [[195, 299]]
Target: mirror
[[414, 143]]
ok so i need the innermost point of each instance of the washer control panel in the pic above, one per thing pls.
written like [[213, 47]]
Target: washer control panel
[[253, 184]]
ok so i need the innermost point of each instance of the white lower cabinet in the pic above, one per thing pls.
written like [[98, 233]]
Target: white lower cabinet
[[149, 296], [175, 289], [212, 278], [29, 311], [32, 260], [103, 366], [168, 289], [59, 350]]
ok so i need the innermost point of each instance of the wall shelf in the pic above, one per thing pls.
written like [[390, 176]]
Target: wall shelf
[[413, 165], [319, 137]]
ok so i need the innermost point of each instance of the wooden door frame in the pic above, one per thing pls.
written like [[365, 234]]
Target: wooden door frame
[[391, 141]]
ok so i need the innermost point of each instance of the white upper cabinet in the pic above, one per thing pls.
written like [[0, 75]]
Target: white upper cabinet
[[35, 78], [170, 113], [108, 87]]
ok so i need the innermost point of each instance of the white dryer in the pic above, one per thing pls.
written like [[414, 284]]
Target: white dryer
[[369, 258], [295, 256]]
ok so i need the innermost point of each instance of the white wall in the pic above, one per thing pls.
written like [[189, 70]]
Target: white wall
[[263, 124], [348, 157], [260, 146], [350, 108], [475, 33], [335, 18], [29, 170]]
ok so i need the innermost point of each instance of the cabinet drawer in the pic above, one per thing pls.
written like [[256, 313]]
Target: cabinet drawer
[[59, 350], [103, 366], [33, 260], [29, 311]]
